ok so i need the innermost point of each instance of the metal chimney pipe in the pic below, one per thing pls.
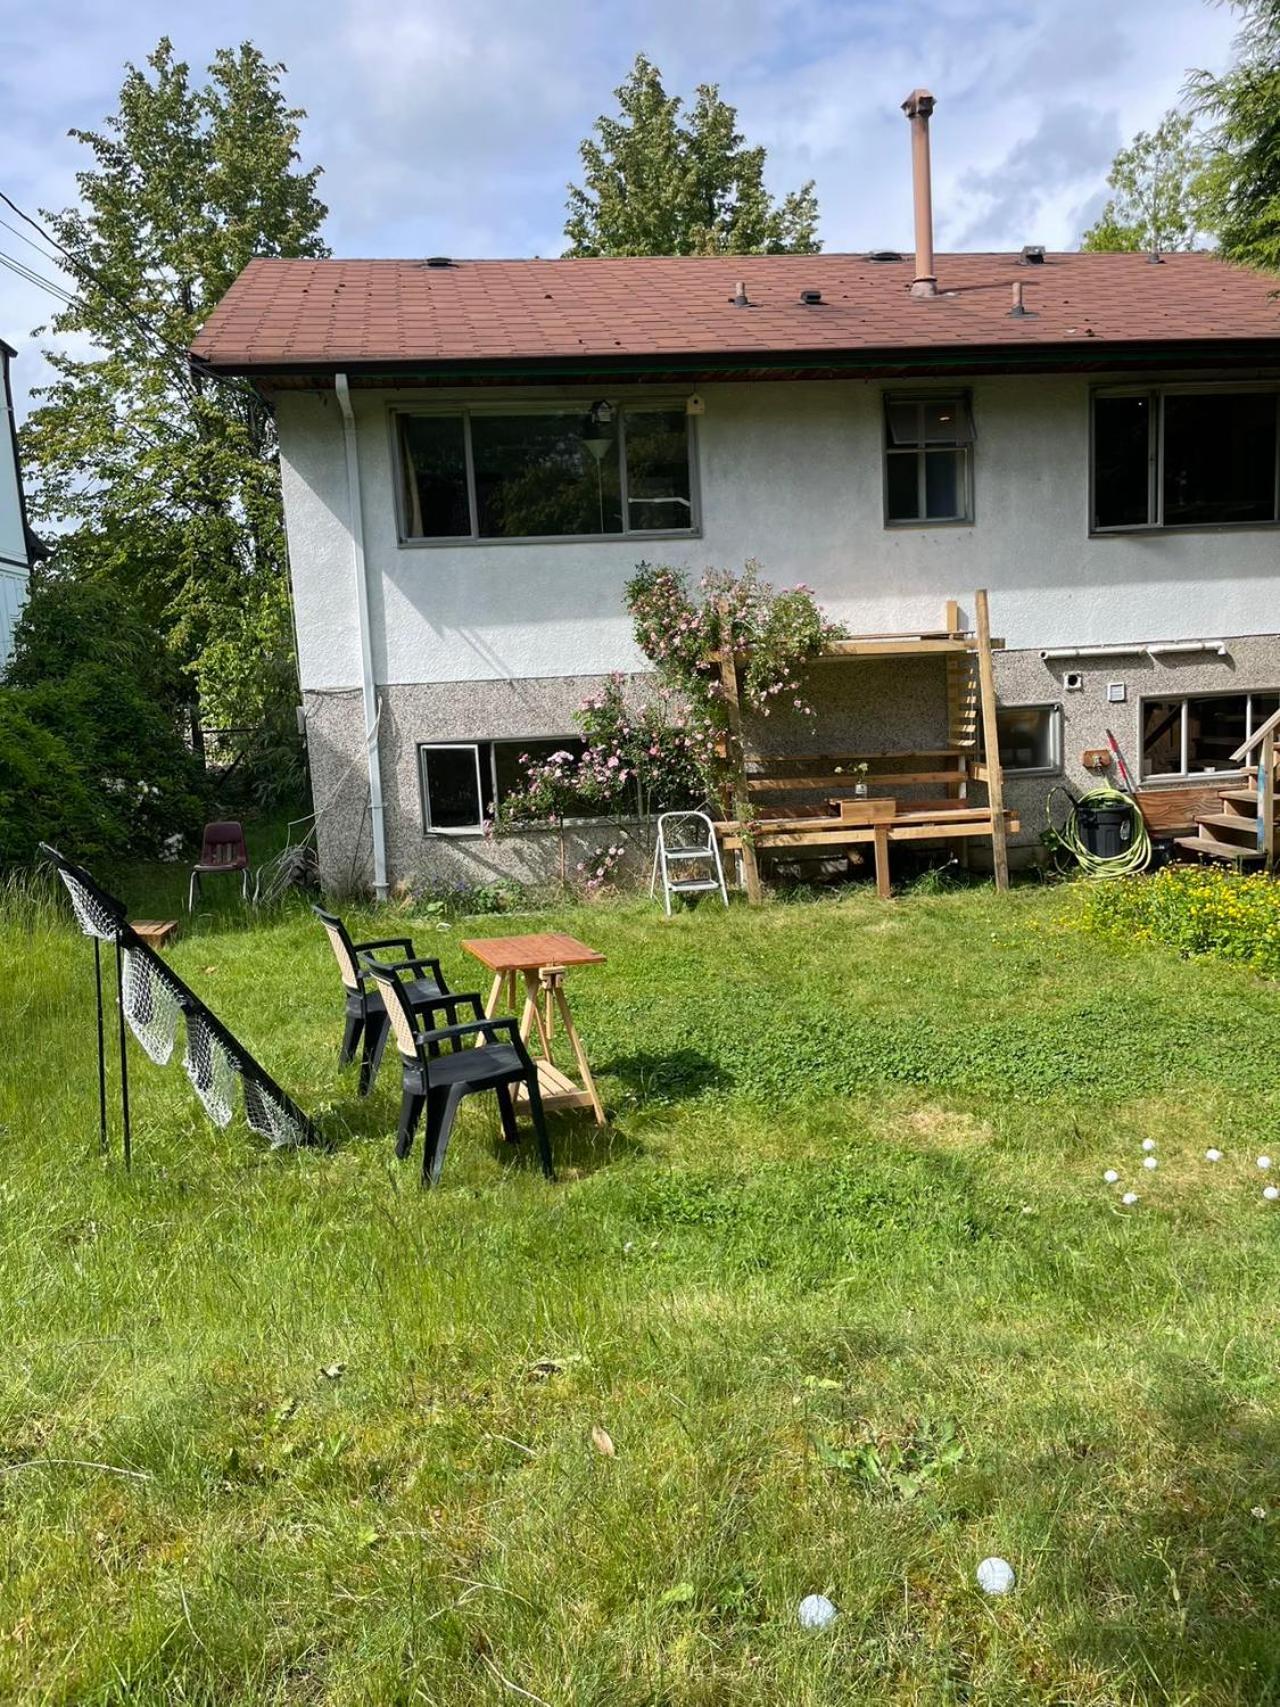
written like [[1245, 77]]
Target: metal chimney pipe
[[918, 107]]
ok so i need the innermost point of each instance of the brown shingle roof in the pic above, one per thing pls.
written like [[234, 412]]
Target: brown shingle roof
[[283, 314]]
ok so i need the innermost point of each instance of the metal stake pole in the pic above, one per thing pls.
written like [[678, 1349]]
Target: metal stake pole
[[102, 1051], [124, 1059]]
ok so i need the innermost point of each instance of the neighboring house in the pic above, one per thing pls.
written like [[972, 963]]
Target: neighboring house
[[19, 547], [477, 453]]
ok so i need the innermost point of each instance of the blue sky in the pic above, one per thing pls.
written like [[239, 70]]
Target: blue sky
[[451, 126]]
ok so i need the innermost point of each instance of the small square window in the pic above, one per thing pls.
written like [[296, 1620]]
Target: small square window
[[1030, 739], [928, 459]]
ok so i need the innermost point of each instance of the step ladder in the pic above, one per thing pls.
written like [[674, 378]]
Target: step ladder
[[686, 856]]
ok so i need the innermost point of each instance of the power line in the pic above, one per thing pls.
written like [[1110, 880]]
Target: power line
[[30, 276]]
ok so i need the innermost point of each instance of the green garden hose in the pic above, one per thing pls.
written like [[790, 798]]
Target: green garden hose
[[1136, 857]]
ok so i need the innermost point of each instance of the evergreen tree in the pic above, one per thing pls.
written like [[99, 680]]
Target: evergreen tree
[[656, 182], [1243, 109], [155, 476]]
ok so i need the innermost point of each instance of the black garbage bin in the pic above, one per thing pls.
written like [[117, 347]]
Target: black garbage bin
[[1106, 830]]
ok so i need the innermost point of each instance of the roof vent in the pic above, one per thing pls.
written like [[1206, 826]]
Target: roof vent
[[439, 261], [739, 299], [885, 255], [1033, 255], [811, 298]]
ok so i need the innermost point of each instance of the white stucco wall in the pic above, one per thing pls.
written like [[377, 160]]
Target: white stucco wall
[[789, 474]]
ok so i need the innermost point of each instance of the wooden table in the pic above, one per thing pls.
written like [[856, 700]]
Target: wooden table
[[541, 960]]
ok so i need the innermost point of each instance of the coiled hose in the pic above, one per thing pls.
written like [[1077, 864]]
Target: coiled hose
[[1136, 857]]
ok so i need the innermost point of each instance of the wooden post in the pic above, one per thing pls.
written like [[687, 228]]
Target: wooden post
[[991, 741], [1267, 798], [883, 887], [737, 757]]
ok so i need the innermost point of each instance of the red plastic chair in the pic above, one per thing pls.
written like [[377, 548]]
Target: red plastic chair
[[222, 850]]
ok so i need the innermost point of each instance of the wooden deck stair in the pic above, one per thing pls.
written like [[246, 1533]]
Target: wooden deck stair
[[1244, 831]]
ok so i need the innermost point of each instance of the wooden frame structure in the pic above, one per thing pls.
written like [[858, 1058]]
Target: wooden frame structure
[[850, 821]]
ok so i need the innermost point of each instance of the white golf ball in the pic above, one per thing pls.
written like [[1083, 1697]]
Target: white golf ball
[[1213, 1155], [1271, 1192], [995, 1576], [815, 1612], [1129, 1198], [1264, 1162], [1148, 1143], [1111, 1176], [1150, 1162]]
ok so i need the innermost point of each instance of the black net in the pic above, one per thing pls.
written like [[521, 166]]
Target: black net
[[152, 1003], [95, 916], [269, 1116], [212, 1069]]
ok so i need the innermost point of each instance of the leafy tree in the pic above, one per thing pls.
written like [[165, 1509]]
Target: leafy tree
[[1243, 109], [86, 672], [1160, 186], [659, 183], [157, 477]]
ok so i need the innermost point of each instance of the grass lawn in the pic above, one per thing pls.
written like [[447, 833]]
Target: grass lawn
[[841, 1282]]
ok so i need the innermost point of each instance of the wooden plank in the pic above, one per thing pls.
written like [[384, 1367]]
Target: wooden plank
[[991, 741], [769, 762], [737, 755], [887, 779], [940, 830], [1267, 796]]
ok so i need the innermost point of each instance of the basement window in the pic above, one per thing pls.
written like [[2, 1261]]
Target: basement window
[[462, 780], [592, 471], [1195, 736], [1030, 739], [928, 472], [1173, 457]]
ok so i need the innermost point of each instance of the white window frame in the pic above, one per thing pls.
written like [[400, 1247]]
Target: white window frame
[[1054, 767], [1156, 394], [1155, 778], [486, 777], [430, 829], [465, 411], [963, 402]]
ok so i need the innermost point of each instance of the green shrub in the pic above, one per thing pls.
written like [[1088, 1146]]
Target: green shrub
[[88, 672], [1196, 910], [43, 794]]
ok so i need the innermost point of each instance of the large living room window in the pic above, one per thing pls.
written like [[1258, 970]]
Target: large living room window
[[550, 471], [928, 453], [462, 780], [1198, 734], [1170, 457]]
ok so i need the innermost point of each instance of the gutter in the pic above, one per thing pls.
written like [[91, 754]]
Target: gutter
[[1155, 649], [355, 511]]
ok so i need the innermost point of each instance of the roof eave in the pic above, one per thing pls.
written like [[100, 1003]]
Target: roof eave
[[1078, 354]]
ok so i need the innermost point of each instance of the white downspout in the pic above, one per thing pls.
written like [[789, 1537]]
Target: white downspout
[[355, 511]]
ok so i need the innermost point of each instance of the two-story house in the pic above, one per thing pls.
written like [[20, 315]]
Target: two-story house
[[476, 454]]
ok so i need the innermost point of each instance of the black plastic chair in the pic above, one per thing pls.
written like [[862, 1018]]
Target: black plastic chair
[[437, 1079], [366, 1014]]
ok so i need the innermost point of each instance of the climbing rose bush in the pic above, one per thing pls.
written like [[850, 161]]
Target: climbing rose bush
[[637, 760], [683, 633]]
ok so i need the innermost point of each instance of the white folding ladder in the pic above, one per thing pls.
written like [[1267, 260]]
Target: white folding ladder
[[686, 856]]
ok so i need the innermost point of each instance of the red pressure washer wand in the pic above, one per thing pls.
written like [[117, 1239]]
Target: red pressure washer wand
[[1125, 778]]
